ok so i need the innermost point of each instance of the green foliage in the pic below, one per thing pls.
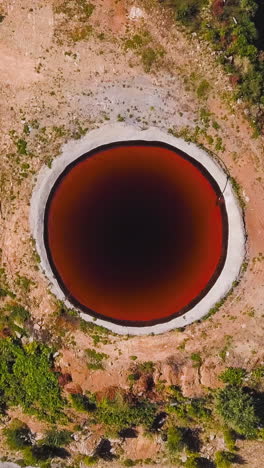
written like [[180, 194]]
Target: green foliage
[[257, 374], [149, 56], [82, 403], [120, 414], [129, 462], [136, 41], [230, 439], [193, 461], [57, 438], [233, 376], [197, 360], [146, 367], [18, 313], [238, 410], [175, 440], [89, 460], [224, 459], [13, 318], [235, 29], [18, 435], [188, 410], [133, 358], [186, 10], [81, 8], [21, 145], [26, 379], [95, 359], [203, 89], [41, 455]]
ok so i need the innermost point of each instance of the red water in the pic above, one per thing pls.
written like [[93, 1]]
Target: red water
[[135, 233]]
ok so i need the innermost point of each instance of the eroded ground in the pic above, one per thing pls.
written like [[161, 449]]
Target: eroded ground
[[63, 72]]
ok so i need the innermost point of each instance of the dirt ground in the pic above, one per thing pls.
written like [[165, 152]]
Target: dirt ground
[[59, 79]]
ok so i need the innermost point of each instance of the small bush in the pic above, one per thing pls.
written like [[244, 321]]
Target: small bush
[[175, 440], [257, 374], [230, 439], [196, 358], [89, 460], [18, 435], [95, 359], [146, 367], [224, 459], [203, 89], [57, 438], [193, 461], [129, 462], [82, 403], [186, 10], [120, 414], [237, 408], [233, 376], [149, 56]]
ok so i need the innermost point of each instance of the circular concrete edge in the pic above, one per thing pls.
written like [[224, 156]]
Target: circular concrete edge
[[121, 132]]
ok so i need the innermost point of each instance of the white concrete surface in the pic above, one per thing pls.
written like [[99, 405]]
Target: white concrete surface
[[121, 132]]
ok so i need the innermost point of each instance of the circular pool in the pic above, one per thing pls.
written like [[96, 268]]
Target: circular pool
[[136, 232]]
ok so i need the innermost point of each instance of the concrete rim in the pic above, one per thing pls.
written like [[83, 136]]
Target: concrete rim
[[121, 132]]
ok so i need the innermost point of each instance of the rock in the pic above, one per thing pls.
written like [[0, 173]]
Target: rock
[[167, 373], [209, 372], [73, 388], [64, 379], [190, 382], [136, 13]]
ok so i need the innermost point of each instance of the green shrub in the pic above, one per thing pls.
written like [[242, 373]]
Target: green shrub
[[18, 313], [186, 10], [129, 462], [18, 435], [57, 438], [82, 403], [224, 459], [196, 358], [203, 89], [41, 455], [146, 367], [89, 460], [230, 439], [233, 376], [238, 410], [175, 440], [95, 359], [193, 461], [257, 374], [26, 379], [149, 56], [188, 410], [119, 413]]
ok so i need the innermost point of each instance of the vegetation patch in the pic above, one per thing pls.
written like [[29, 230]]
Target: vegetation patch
[[27, 380], [95, 359]]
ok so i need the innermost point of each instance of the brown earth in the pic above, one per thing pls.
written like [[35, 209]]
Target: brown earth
[[66, 86]]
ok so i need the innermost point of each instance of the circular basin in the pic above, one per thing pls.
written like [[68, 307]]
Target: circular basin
[[136, 232]]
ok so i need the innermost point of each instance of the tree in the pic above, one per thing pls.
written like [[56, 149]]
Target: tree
[[237, 408]]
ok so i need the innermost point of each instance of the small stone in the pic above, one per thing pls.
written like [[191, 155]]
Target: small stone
[[136, 13]]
